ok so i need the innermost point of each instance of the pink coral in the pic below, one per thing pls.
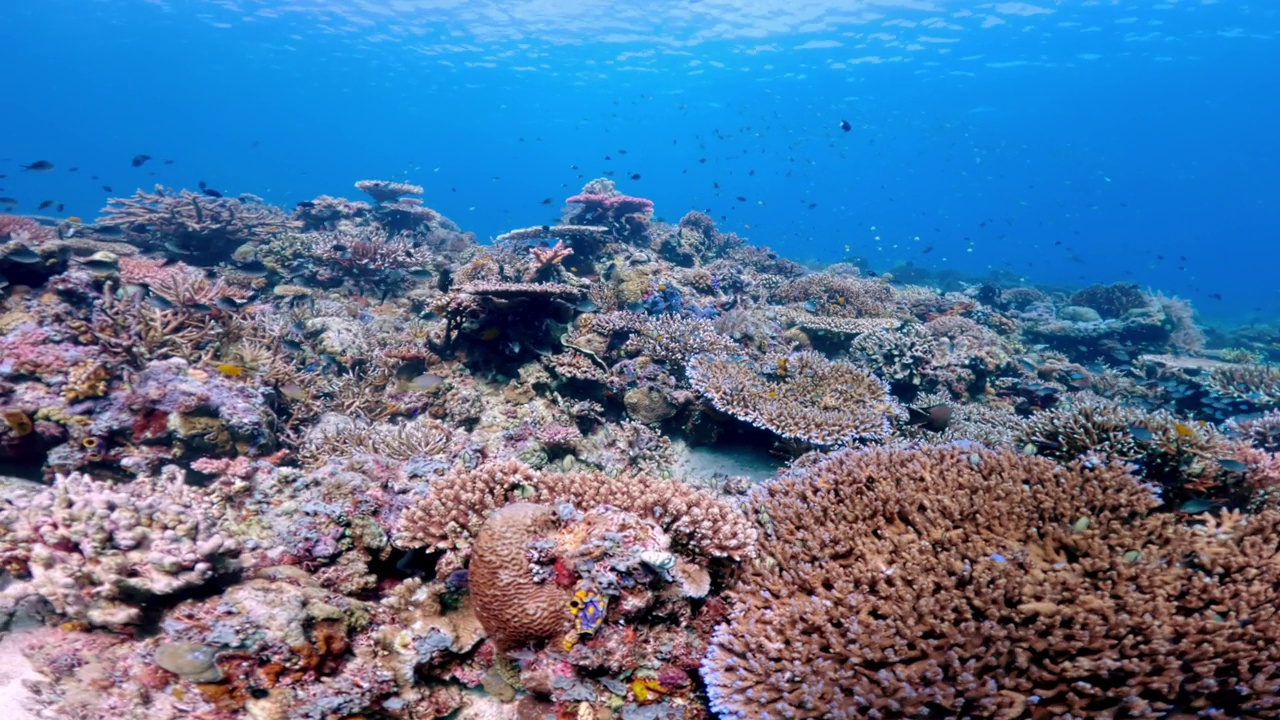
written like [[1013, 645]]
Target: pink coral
[[23, 229], [612, 207]]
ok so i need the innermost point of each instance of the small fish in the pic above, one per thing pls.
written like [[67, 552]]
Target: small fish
[[45, 204], [8, 201], [60, 207], [139, 160], [425, 381], [293, 391], [420, 274], [291, 345], [490, 333], [1141, 434], [845, 126], [934, 417], [211, 192], [230, 370], [1196, 506], [546, 201], [107, 188], [1183, 430], [158, 302], [586, 306], [39, 166], [339, 248], [227, 304], [99, 265], [174, 247], [1231, 466], [1121, 355], [200, 307], [22, 254], [635, 176]]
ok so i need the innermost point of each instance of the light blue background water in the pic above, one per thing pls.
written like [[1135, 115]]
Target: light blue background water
[[1069, 142]]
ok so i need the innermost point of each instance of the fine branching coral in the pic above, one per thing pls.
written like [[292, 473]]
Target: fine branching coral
[[956, 581]]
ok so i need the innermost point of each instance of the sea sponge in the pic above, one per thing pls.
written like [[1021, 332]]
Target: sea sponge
[[956, 581]]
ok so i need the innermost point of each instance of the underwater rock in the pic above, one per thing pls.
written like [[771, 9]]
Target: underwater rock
[[1080, 314], [190, 661]]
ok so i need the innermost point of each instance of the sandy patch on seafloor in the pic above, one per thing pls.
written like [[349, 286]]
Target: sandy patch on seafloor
[[14, 669], [702, 463]]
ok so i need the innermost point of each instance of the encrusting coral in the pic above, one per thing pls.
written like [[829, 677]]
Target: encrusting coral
[[958, 581]]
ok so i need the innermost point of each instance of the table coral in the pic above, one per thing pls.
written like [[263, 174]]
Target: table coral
[[801, 396]]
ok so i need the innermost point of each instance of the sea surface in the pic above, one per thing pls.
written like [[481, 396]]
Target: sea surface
[[1062, 142]]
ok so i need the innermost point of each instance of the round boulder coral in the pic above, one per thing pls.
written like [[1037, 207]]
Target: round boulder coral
[[955, 581]]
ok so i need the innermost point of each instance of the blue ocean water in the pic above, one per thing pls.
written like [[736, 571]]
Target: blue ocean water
[[1062, 142]]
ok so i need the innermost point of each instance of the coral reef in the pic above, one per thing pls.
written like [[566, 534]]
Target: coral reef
[[344, 461]]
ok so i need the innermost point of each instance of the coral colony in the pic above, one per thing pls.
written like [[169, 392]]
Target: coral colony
[[345, 462]]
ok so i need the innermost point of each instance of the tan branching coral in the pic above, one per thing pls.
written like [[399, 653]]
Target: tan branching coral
[[802, 396], [450, 514], [420, 438], [838, 296], [1253, 384], [193, 222], [675, 338], [961, 582]]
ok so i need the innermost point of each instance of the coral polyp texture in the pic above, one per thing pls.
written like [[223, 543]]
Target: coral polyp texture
[[955, 581], [345, 461]]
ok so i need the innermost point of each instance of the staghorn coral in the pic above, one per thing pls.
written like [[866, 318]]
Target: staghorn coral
[[206, 227], [961, 582], [1255, 387], [837, 296], [419, 438], [99, 552], [674, 339], [801, 396]]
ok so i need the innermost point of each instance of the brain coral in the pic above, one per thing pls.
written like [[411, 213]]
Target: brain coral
[[511, 604], [955, 581], [801, 396]]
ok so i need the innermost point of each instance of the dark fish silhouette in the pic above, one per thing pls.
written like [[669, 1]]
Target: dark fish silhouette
[[39, 166], [211, 192], [45, 204], [935, 417], [845, 126], [139, 160]]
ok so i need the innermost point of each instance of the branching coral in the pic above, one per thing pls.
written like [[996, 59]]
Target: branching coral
[[961, 582], [801, 396], [208, 227], [99, 552], [450, 514]]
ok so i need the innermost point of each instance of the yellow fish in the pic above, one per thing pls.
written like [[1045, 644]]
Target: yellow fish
[[230, 370]]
